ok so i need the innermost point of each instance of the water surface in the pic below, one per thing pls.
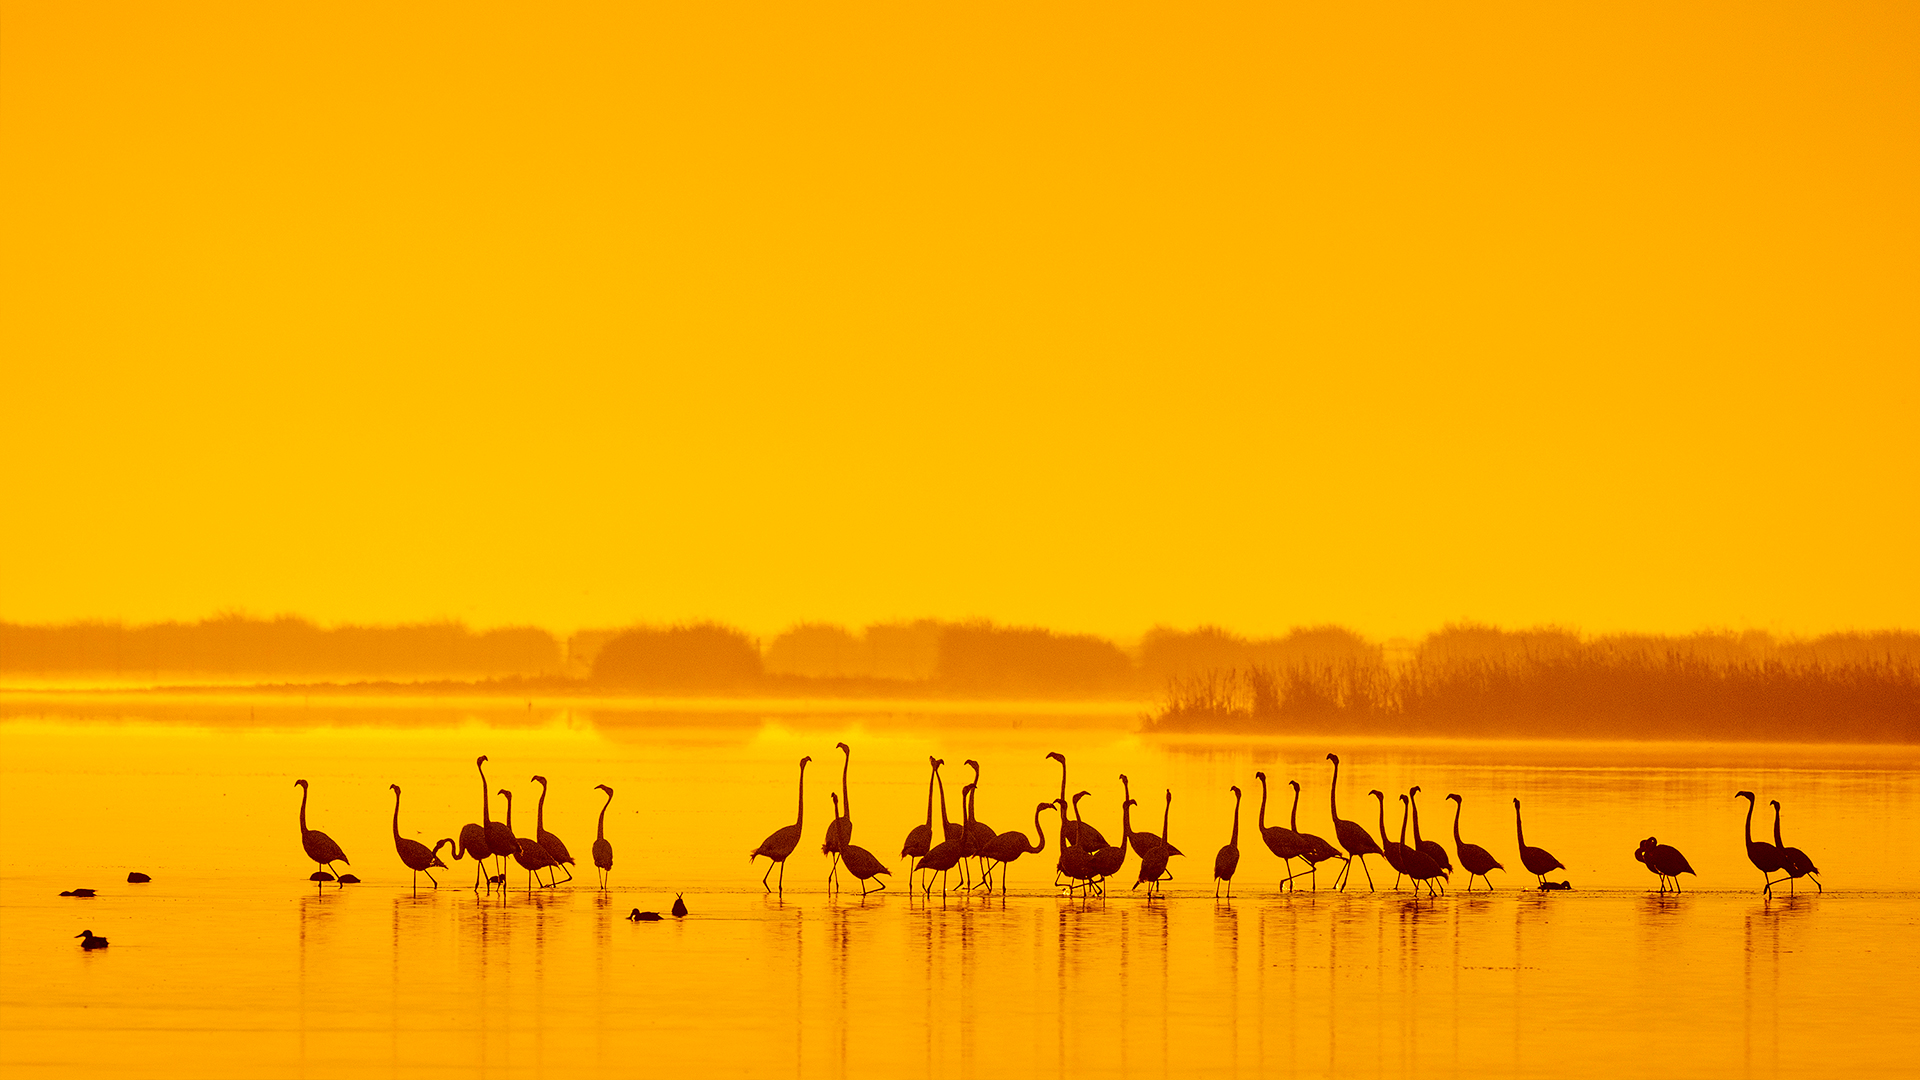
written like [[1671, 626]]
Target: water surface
[[231, 964]]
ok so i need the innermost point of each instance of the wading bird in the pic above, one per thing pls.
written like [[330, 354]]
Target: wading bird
[[1395, 851], [1076, 862], [500, 838], [473, 838], [840, 829], [1153, 866], [319, 846], [527, 852], [1284, 843], [1008, 846], [1665, 861], [1350, 835], [1764, 856], [416, 855], [555, 850], [781, 842], [603, 851], [920, 837], [1792, 859], [1078, 833], [1228, 858], [1423, 870], [1430, 848], [1108, 860], [1538, 861], [864, 866], [1313, 849], [979, 834], [944, 855], [1473, 857]]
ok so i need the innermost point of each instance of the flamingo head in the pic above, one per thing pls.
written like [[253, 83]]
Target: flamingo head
[[1058, 756], [1260, 776], [1335, 758], [1236, 790], [1077, 796], [395, 787], [504, 791], [1376, 793], [1415, 790], [1403, 798], [1294, 784], [1516, 804], [843, 748], [974, 765], [603, 787], [1775, 803], [803, 762], [1747, 795], [541, 780], [1457, 799], [481, 760], [296, 783]]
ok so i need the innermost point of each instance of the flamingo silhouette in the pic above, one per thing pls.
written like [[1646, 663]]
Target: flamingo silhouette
[[1084, 836], [1009, 846], [319, 846], [1395, 851], [1142, 843], [416, 855], [1538, 861], [840, 829], [555, 850], [527, 852], [944, 855], [1284, 843], [603, 851], [1764, 856], [979, 834], [1473, 857], [1665, 861], [500, 839], [955, 831], [920, 837], [1430, 848], [781, 842], [1153, 866], [1228, 858], [1076, 862], [864, 866], [473, 837], [1792, 859], [1351, 835], [1313, 849], [1420, 866], [89, 941], [1108, 860]]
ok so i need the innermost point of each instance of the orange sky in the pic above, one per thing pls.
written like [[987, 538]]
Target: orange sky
[[1088, 315]]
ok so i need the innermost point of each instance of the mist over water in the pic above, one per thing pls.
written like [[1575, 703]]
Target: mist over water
[[231, 964]]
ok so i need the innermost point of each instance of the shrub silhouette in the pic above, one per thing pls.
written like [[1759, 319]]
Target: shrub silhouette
[[701, 656]]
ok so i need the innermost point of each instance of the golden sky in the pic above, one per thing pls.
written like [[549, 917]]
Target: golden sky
[[1089, 315]]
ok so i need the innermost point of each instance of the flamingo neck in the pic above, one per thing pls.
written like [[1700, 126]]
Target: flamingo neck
[[303, 809], [1416, 820], [1750, 823], [944, 819], [846, 797], [1519, 832], [540, 812], [1166, 816], [930, 779], [1403, 824], [603, 816], [1293, 821], [1777, 842], [509, 797], [484, 797], [1126, 820], [1457, 807], [800, 815], [1383, 818], [1333, 793], [1042, 845], [396, 818], [1263, 805], [1235, 842]]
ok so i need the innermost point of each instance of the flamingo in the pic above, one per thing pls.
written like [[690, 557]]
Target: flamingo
[[1538, 861], [1794, 861], [1351, 835], [554, 848], [412, 852], [527, 852], [1430, 848], [1228, 859], [860, 862], [1284, 843], [1764, 856], [1008, 846], [955, 831], [833, 880], [781, 842], [920, 836], [1473, 857], [1143, 843], [1108, 860], [979, 834], [840, 829], [319, 846], [1076, 862], [89, 941], [943, 856], [603, 851], [1084, 836], [500, 839], [1314, 850], [1421, 868], [1664, 860], [473, 838], [1395, 851], [1153, 867]]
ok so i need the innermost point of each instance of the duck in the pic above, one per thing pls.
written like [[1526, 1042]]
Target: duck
[[91, 942], [645, 916], [78, 892]]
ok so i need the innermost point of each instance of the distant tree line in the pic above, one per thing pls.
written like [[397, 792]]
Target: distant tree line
[[1481, 681]]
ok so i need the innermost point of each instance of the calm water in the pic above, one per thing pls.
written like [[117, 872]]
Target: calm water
[[231, 964]]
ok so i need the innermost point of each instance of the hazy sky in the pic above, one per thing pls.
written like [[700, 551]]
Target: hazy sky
[[1094, 316]]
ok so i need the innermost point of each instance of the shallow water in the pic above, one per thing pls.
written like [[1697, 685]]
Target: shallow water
[[231, 964]]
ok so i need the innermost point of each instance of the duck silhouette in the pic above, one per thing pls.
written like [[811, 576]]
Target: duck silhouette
[[91, 942], [644, 916]]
